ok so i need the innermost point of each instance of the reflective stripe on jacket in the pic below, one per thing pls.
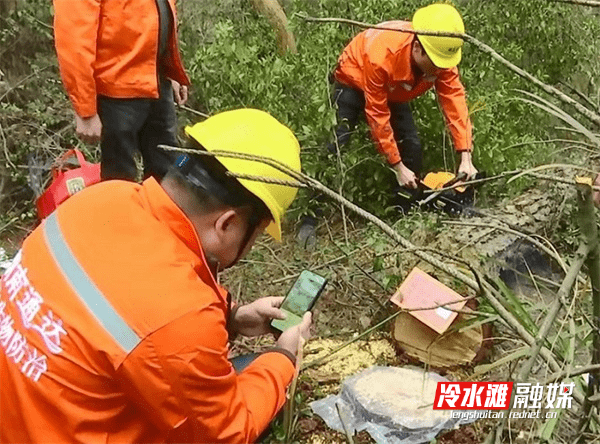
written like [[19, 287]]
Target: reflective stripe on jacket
[[378, 62], [110, 48], [112, 329]]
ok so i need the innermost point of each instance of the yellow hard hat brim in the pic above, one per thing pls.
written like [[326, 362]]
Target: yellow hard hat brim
[[441, 62], [274, 230]]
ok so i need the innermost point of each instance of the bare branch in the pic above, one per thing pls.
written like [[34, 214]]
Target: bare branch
[[571, 372], [591, 3], [193, 111]]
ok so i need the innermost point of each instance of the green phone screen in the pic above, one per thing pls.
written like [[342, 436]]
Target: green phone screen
[[300, 299]]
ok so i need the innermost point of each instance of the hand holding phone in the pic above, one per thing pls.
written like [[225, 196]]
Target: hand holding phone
[[254, 319], [301, 298], [290, 339]]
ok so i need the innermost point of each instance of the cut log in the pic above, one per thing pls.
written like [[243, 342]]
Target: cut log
[[451, 349]]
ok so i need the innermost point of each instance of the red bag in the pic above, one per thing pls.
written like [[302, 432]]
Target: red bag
[[70, 173]]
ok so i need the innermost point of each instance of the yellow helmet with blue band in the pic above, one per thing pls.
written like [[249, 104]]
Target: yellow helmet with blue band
[[254, 132]]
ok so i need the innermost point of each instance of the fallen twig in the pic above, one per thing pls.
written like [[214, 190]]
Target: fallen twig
[[282, 263], [591, 3], [557, 179], [573, 372], [533, 142], [5, 146], [549, 167], [288, 413], [193, 111], [332, 261], [24, 79], [344, 426]]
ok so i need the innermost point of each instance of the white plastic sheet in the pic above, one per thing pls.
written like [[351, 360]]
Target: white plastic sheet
[[394, 405]]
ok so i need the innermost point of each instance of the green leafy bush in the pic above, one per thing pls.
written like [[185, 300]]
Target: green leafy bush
[[34, 110]]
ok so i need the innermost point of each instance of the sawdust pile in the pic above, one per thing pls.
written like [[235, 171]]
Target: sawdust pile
[[348, 361], [318, 439]]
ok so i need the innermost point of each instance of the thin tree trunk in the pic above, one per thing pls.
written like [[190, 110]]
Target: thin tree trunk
[[273, 11], [589, 230]]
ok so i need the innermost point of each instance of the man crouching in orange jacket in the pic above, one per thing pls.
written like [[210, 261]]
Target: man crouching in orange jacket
[[113, 327], [380, 71]]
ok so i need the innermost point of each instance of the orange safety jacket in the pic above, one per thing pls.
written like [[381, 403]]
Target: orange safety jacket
[[110, 48], [113, 330], [379, 63]]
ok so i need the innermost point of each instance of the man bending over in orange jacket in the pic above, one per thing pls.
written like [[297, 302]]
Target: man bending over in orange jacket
[[113, 327], [380, 71]]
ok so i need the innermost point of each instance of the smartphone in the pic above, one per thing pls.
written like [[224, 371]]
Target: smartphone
[[301, 298]]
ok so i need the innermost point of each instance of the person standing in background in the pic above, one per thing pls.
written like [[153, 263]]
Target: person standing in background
[[121, 67]]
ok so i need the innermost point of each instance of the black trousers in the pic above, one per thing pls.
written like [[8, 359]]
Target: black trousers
[[130, 126], [351, 106]]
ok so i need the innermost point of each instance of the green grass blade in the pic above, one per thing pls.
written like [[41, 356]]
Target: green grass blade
[[485, 368]]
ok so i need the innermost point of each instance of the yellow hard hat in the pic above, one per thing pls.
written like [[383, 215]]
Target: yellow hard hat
[[444, 52], [250, 131]]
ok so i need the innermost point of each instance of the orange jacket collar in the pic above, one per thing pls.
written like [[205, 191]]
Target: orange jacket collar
[[165, 210]]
